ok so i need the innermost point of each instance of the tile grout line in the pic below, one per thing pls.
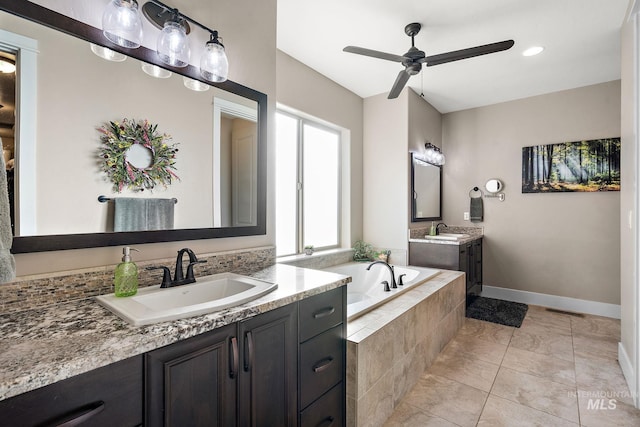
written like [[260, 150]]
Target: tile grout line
[[573, 351], [495, 378]]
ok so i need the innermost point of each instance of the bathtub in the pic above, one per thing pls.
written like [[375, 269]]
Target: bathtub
[[366, 292]]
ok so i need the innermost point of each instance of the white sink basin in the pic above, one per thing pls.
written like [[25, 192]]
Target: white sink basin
[[210, 293], [447, 236]]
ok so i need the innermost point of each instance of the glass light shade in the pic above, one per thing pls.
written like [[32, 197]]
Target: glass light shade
[[107, 54], [122, 23], [196, 85], [155, 71], [173, 46], [214, 65]]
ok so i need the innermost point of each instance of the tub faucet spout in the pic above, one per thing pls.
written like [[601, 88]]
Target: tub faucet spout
[[394, 285]]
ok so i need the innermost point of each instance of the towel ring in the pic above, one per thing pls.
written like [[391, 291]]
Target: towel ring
[[475, 193]]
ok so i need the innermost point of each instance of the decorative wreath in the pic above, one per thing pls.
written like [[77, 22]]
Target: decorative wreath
[[117, 138]]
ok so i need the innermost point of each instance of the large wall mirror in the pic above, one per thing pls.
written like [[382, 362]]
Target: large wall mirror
[[426, 190], [66, 93]]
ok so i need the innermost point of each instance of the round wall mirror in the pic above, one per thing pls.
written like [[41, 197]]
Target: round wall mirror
[[493, 185], [139, 156]]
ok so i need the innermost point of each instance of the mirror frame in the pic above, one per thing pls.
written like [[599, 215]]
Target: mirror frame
[[415, 218], [72, 27]]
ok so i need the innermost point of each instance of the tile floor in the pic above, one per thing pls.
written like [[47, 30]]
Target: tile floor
[[555, 370]]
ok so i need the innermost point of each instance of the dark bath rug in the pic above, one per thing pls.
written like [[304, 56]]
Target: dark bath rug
[[497, 311]]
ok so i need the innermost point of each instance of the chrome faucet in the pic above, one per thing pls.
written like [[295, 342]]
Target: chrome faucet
[[178, 276], [393, 277], [438, 227]]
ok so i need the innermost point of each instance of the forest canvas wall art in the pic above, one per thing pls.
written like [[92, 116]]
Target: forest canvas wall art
[[592, 165]]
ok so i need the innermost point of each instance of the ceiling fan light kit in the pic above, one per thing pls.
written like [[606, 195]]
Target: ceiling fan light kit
[[413, 59]]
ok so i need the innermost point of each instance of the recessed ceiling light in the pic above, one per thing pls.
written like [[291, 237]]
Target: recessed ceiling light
[[534, 50]]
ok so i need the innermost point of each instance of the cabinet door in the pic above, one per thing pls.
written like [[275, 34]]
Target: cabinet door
[[267, 393], [464, 263], [477, 263], [193, 382], [97, 398]]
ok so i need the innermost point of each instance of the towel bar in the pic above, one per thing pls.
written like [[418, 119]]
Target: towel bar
[[105, 199]]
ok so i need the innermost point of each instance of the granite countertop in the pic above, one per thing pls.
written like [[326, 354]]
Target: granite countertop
[[45, 345], [474, 234]]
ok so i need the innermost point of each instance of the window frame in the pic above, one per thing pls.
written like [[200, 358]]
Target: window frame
[[301, 121]]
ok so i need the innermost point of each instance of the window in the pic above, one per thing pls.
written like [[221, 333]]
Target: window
[[307, 185]]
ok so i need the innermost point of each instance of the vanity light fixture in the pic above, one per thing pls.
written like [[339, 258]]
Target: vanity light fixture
[[173, 45], [433, 155], [195, 85], [108, 54], [7, 65], [214, 65], [155, 71], [122, 23]]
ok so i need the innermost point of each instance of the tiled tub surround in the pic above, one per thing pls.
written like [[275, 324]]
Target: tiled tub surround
[[49, 344], [390, 347], [31, 292]]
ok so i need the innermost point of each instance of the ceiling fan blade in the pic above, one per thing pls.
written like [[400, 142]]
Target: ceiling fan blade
[[374, 53], [457, 55], [401, 80]]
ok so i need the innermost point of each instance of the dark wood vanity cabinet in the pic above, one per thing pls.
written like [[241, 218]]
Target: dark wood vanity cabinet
[[322, 371], [242, 374], [285, 367], [268, 369], [193, 382], [466, 257], [96, 398]]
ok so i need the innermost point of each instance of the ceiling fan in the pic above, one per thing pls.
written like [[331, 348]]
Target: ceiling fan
[[414, 58]]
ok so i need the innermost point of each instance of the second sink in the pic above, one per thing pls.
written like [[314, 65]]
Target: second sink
[[448, 236]]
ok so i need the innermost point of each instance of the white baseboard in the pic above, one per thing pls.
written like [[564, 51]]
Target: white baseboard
[[553, 301], [628, 372]]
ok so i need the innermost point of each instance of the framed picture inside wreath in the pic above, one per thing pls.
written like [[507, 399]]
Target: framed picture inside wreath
[[136, 156]]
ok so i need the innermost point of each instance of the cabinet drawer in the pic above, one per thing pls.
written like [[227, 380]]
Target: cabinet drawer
[[321, 364], [326, 411], [99, 397], [320, 312]]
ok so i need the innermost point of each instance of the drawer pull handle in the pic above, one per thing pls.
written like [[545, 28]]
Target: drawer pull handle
[[327, 422], [83, 414], [233, 360], [323, 364], [324, 313]]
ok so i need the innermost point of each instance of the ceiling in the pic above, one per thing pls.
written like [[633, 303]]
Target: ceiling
[[581, 40]]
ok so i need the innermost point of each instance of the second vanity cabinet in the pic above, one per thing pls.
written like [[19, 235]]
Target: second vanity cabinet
[[466, 257]]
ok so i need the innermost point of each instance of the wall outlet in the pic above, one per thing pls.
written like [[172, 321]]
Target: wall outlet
[[466, 216]]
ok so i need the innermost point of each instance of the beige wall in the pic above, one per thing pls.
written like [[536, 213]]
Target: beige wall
[[385, 171], [565, 244], [628, 203], [249, 30], [307, 91]]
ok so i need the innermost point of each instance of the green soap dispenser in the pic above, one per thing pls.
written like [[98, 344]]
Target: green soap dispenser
[[126, 275]]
